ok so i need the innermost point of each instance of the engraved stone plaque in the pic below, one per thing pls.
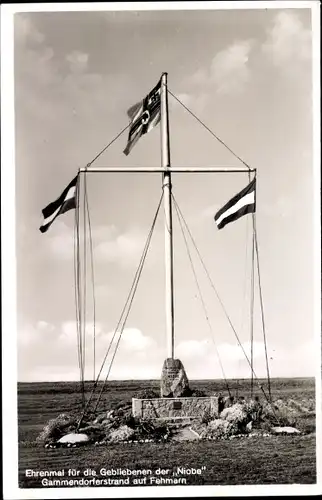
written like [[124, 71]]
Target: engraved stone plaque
[[174, 381]]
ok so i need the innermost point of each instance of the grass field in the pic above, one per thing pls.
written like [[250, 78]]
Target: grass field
[[270, 460]]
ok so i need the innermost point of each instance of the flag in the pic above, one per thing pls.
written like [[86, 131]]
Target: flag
[[65, 202], [144, 116], [241, 204]]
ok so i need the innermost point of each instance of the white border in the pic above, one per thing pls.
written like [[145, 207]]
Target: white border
[[9, 370], [125, 6], [316, 98]]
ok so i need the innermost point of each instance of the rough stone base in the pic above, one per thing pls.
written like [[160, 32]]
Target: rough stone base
[[174, 408], [174, 380]]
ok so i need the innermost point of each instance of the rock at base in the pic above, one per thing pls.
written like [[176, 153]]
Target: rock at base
[[74, 438], [249, 426], [174, 380], [185, 434], [284, 430], [123, 433]]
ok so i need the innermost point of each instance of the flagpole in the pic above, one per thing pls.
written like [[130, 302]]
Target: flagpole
[[167, 188]]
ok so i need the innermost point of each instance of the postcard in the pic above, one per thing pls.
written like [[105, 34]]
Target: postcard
[[161, 253]]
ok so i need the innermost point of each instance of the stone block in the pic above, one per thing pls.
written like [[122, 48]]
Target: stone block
[[174, 408], [174, 380], [73, 438], [137, 407], [214, 406]]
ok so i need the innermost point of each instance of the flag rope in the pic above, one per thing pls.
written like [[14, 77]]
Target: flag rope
[[78, 304], [244, 294], [262, 311], [129, 300], [84, 275], [81, 308], [252, 298], [252, 311], [76, 278], [88, 219], [225, 312], [93, 278], [201, 298], [209, 130], [108, 145]]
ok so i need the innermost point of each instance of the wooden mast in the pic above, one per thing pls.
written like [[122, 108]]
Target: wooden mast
[[167, 188]]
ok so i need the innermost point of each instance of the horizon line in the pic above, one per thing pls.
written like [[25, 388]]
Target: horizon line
[[158, 380]]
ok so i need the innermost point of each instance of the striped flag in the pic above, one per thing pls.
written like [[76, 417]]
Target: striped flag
[[241, 204], [144, 116], [65, 202]]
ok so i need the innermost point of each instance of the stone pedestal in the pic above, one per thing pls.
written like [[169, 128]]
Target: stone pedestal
[[179, 409], [174, 380]]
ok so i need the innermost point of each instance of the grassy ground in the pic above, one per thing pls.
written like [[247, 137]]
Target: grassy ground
[[273, 460]]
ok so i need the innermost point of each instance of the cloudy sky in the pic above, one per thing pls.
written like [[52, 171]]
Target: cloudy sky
[[247, 75]]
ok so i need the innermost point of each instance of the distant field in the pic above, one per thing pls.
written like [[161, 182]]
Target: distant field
[[274, 460]]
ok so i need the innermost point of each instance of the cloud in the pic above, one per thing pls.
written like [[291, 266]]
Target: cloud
[[229, 352], [26, 31], [27, 337], [199, 77], [282, 207], [124, 249], [229, 68], [49, 352], [201, 361], [185, 98], [234, 352], [60, 241], [287, 40], [134, 340], [192, 349], [132, 370], [68, 331], [287, 44], [45, 92], [109, 244], [196, 102], [103, 291], [78, 61], [44, 326], [228, 71], [210, 211]]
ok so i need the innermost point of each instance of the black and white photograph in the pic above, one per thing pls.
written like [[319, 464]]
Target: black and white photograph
[[161, 249]]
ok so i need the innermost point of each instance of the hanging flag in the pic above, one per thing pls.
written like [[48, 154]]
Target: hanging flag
[[65, 202], [241, 204], [144, 116]]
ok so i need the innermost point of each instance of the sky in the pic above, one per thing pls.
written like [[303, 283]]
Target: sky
[[247, 74]]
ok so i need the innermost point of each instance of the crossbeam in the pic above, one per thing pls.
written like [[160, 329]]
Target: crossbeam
[[176, 170]]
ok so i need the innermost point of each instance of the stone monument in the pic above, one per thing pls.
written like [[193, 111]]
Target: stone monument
[[174, 380], [177, 400]]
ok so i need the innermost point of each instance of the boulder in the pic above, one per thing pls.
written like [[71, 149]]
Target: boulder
[[73, 438], [218, 428], [284, 430], [249, 426], [174, 380], [235, 414], [99, 419], [228, 401], [123, 433], [57, 427]]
